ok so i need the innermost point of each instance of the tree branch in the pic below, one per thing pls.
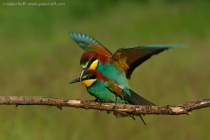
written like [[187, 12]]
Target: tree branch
[[184, 108]]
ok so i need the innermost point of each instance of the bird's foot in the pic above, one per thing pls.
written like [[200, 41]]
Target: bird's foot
[[99, 102], [115, 106]]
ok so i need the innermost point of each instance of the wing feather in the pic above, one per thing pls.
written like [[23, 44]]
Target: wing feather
[[131, 57], [87, 43]]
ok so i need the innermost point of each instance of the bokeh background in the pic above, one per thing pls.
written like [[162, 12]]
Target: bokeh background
[[38, 58]]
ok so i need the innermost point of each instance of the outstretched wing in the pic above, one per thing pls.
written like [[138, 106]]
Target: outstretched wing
[[131, 57], [87, 43]]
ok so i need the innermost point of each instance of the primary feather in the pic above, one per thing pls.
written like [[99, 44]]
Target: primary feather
[[131, 57], [87, 43]]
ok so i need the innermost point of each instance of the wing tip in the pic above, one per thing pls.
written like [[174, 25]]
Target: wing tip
[[168, 46], [84, 40]]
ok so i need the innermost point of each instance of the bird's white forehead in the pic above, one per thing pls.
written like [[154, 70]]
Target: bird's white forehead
[[84, 65]]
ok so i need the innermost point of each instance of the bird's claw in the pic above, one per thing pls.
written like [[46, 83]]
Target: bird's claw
[[99, 102], [115, 106]]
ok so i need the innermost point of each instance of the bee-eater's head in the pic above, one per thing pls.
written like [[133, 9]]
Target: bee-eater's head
[[88, 62], [88, 79]]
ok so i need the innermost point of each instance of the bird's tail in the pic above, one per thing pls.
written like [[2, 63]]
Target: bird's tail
[[136, 99]]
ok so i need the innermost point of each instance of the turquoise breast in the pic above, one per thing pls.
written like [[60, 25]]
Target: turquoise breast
[[102, 93]]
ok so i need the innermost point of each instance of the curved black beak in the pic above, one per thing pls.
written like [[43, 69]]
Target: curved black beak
[[81, 74], [75, 80], [79, 79]]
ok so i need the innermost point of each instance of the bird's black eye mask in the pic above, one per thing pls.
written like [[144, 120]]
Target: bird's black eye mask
[[91, 61], [89, 76]]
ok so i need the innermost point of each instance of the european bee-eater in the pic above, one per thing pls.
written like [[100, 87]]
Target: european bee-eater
[[118, 66], [106, 90]]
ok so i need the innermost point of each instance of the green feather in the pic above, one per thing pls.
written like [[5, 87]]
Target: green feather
[[159, 46]]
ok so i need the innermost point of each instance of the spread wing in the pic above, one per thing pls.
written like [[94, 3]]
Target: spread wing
[[87, 43], [131, 57]]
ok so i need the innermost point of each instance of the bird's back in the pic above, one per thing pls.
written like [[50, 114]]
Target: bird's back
[[113, 73]]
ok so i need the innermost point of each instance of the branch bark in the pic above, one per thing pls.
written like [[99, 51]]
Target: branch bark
[[179, 109]]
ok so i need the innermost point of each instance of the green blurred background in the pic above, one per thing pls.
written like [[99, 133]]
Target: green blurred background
[[38, 58]]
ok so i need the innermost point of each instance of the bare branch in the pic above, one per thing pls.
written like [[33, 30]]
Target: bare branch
[[185, 108]]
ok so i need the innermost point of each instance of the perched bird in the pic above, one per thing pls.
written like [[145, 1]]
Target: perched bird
[[106, 90], [117, 68]]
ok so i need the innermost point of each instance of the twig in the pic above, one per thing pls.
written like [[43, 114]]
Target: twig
[[184, 108]]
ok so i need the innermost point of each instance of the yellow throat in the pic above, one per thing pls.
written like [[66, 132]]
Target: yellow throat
[[88, 82]]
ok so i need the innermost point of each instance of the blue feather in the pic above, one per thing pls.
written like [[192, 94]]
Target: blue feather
[[83, 40]]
